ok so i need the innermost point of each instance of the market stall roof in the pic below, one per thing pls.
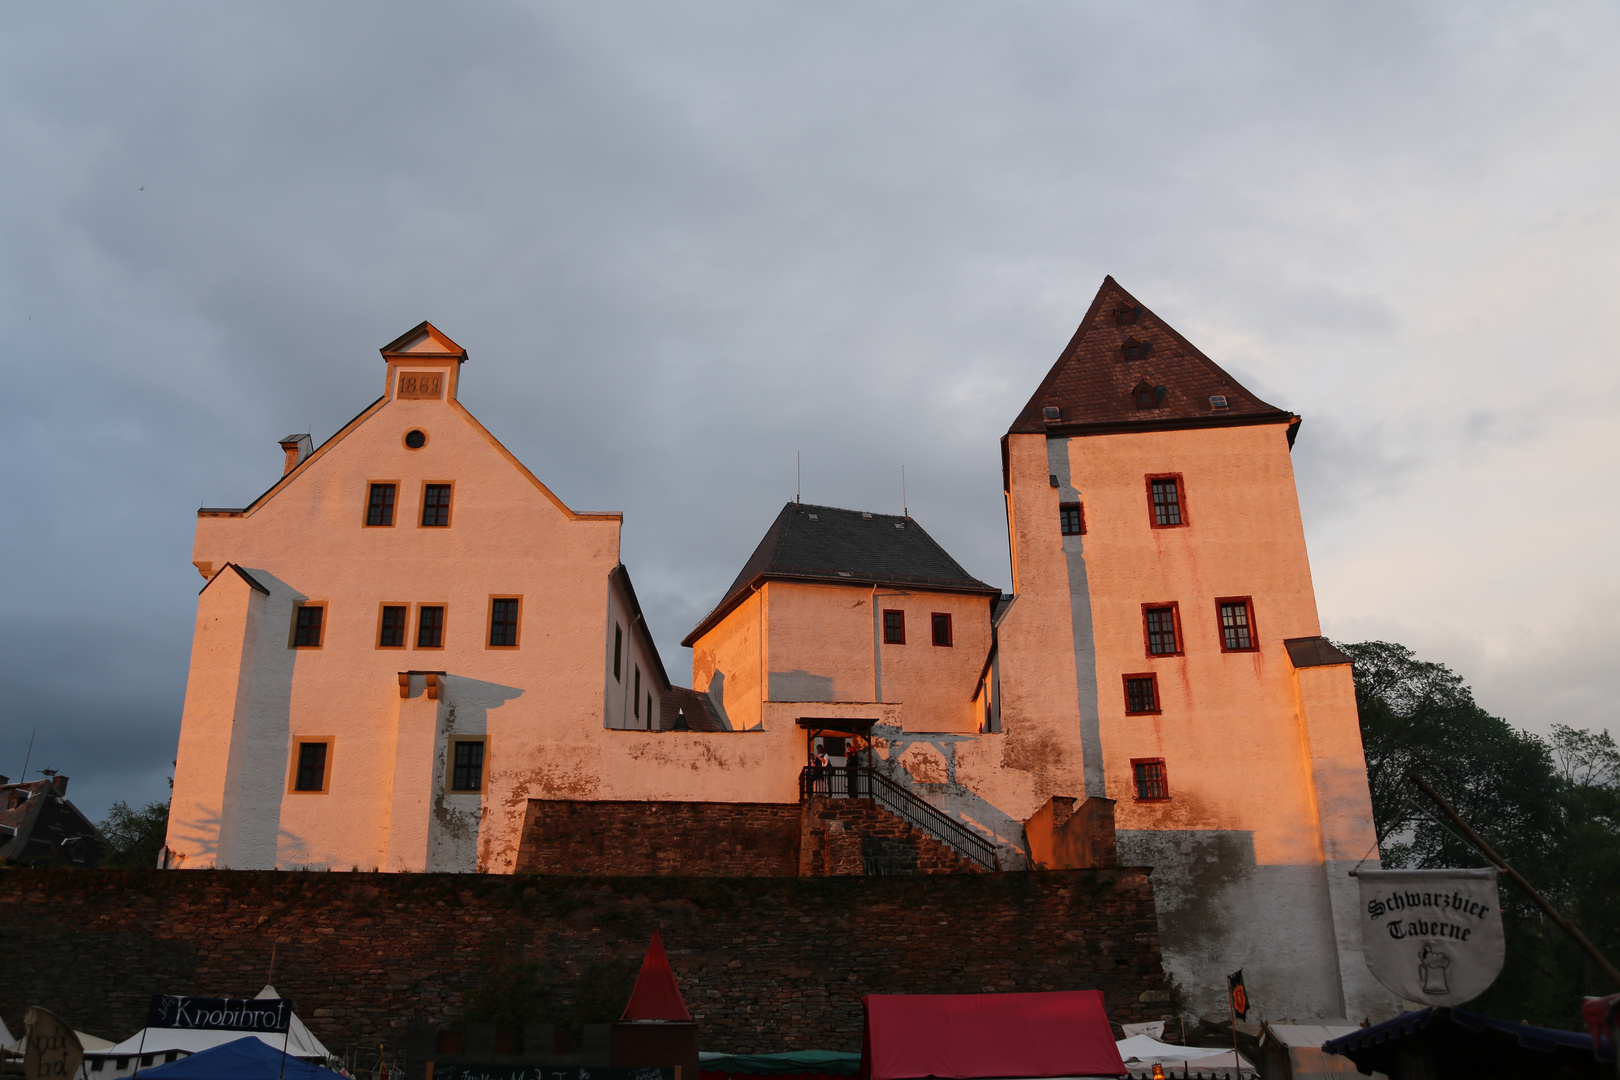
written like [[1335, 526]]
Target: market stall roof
[[1141, 1052], [962, 1036], [656, 997], [1473, 1044], [245, 1058], [155, 1040], [793, 1063]]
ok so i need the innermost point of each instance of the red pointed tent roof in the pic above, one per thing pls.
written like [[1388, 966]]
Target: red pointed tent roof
[[962, 1036], [1093, 382], [656, 997]]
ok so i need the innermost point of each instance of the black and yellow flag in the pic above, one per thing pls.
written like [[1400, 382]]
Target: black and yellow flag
[[1240, 994]]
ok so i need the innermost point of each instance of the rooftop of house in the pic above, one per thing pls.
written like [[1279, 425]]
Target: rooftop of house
[[1127, 369], [846, 547], [38, 824]]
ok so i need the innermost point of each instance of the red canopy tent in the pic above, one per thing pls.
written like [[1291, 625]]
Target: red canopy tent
[[656, 997], [963, 1036]]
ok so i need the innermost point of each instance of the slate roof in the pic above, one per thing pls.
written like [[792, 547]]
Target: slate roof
[[694, 706], [37, 819], [847, 547], [1092, 383]]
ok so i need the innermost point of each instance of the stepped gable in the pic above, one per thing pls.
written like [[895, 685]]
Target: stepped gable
[[1127, 369], [848, 547]]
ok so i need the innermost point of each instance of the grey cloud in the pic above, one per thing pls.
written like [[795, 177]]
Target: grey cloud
[[682, 243]]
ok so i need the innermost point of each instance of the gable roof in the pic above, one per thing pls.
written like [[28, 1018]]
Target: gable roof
[[845, 547], [1093, 382], [424, 341]]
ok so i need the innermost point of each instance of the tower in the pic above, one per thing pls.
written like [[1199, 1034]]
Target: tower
[[1163, 597]]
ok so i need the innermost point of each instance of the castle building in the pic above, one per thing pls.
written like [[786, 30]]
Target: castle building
[[410, 655]]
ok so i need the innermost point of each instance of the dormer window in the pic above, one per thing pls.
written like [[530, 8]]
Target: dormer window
[[1148, 396], [1217, 401], [1051, 412], [1136, 349], [1126, 314]]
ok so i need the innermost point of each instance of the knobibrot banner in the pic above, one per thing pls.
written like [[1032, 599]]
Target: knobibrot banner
[[1433, 936]]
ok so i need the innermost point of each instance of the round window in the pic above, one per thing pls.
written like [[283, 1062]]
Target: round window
[[415, 439]]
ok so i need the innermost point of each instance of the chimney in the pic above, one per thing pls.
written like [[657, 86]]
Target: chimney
[[60, 783], [297, 448]]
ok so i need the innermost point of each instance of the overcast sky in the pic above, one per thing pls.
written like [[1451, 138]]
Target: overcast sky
[[683, 241]]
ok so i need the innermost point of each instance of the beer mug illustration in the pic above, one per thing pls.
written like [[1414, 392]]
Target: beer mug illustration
[[1432, 965]]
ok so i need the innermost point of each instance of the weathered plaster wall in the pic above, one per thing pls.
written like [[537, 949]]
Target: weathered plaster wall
[[765, 964], [728, 661], [1240, 843]]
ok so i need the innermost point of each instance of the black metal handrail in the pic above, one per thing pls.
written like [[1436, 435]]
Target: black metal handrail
[[862, 782]]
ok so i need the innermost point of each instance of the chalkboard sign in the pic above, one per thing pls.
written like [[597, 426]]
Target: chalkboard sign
[[219, 1014]]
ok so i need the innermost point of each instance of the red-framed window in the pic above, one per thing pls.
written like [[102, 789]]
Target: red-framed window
[[942, 628], [1167, 501], [894, 627], [1141, 693], [1236, 617], [1072, 518], [1149, 778], [1161, 629]]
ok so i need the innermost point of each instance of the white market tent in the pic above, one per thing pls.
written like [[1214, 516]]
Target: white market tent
[[1142, 1052], [1304, 1043], [299, 1041]]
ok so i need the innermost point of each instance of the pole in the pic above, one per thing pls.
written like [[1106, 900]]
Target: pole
[[1518, 879], [23, 779], [1232, 1005]]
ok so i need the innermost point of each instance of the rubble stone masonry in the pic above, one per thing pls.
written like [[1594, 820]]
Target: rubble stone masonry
[[765, 964]]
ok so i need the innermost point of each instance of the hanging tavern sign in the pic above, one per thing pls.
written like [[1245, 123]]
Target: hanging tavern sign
[[219, 1014], [1433, 936]]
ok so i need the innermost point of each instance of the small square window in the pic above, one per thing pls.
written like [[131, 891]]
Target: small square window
[[1160, 626], [1152, 783], [436, 504], [503, 623], [1217, 401], [1072, 519], [942, 628], [311, 769], [1141, 694], [430, 626], [467, 765], [1237, 624], [307, 626], [894, 628], [1052, 412], [391, 626], [1167, 501], [1136, 349]]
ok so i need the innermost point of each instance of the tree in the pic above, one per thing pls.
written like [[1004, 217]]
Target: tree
[[1550, 807], [135, 837]]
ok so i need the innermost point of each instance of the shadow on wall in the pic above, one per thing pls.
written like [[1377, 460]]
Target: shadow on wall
[[800, 686], [925, 765], [261, 731], [717, 699], [1220, 911], [458, 817]]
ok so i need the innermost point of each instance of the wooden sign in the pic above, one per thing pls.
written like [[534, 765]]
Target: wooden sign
[[54, 1052], [421, 385]]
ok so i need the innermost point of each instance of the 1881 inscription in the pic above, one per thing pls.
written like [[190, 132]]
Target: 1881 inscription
[[421, 384]]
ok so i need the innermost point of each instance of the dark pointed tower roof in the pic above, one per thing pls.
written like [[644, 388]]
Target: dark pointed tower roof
[[1126, 369]]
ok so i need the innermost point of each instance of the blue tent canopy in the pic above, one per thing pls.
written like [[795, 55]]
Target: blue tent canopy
[[245, 1059]]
